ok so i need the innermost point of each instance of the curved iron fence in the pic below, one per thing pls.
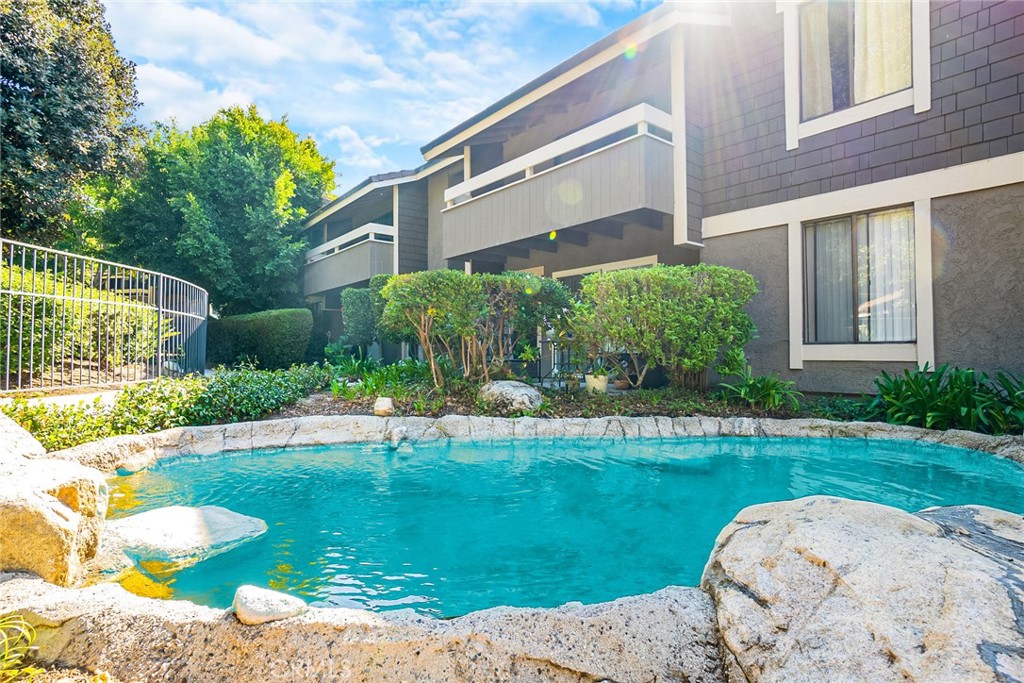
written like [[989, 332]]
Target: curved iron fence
[[72, 321]]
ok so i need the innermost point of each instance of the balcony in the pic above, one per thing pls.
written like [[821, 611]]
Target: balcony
[[619, 165], [353, 257]]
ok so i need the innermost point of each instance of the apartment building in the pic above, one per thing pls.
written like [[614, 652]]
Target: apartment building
[[863, 160]]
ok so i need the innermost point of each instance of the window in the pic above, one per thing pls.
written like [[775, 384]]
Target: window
[[859, 278], [852, 51]]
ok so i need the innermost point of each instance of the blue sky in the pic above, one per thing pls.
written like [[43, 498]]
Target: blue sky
[[370, 81]]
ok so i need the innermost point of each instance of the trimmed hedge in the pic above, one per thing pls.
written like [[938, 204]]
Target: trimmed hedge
[[271, 339]]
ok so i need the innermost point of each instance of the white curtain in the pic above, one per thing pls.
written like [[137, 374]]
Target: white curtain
[[829, 279], [886, 293], [881, 48], [815, 64]]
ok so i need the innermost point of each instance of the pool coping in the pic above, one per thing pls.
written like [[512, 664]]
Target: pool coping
[[136, 452]]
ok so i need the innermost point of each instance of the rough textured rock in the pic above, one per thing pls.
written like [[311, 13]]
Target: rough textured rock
[[50, 517], [508, 397], [664, 636], [827, 589], [180, 535], [16, 442], [383, 407], [254, 605]]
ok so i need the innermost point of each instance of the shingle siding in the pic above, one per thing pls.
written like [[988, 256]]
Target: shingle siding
[[412, 226], [977, 66]]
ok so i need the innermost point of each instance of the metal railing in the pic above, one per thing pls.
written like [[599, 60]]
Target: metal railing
[[72, 321]]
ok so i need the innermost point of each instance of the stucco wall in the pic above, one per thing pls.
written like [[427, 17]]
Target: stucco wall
[[978, 255], [763, 254]]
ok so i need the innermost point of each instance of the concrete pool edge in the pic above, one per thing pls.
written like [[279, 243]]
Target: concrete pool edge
[[137, 452]]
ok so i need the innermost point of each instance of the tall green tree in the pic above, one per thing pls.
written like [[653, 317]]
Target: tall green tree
[[67, 100], [222, 205]]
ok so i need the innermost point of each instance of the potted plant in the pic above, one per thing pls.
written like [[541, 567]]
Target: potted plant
[[597, 379]]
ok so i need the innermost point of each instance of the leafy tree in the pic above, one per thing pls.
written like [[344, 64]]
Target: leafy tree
[[68, 99], [222, 205], [686, 319]]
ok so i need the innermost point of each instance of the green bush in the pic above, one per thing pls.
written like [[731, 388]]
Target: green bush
[[687, 319], [272, 339], [231, 395], [950, 398], [762, 392], [357, 316]]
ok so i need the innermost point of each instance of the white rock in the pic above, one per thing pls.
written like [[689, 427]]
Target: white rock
[[383, 407], [508, 397], [181, 536], [827, 589], [254, 605], [16, 442]]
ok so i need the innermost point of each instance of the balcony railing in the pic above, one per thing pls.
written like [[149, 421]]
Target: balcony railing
[[643, 119], [620, 166], [370, 232]]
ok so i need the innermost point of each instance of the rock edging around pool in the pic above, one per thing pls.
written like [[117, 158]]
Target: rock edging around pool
[[794, 592], [136, 452]]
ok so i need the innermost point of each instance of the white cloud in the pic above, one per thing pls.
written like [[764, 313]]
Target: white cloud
[[166, 93], [357, 152]]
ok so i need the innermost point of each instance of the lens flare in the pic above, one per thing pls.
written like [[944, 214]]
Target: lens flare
[[630, 51], [553, 235]]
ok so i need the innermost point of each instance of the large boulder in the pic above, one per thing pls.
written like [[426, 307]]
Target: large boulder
[[178, 536], [509, 397], [51, 512], [664, 636], [827, 589]]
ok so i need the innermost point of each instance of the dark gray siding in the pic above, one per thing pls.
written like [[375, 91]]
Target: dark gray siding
[[977, 59], [412, 226], [978, 255], [632, 175]]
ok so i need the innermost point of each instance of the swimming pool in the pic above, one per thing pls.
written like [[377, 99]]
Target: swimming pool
[[449, 527]]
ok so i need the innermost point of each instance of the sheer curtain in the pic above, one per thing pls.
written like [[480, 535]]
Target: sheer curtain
[[815, 61], [886, 294], [881, 48], [829, 277]]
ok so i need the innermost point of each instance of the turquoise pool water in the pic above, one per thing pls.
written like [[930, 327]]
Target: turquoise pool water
[[448, 528]]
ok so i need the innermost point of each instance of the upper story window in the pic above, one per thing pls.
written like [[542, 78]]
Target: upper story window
[[852, 51], [851, 60], [859, 278]]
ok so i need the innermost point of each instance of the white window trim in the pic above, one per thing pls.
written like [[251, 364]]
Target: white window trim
[[640, 262], [919, 94], [917, 189]]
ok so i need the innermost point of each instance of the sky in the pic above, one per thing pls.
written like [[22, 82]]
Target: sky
[[370, 81]]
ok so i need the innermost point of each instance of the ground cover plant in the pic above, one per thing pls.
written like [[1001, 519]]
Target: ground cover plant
[[229, 395]]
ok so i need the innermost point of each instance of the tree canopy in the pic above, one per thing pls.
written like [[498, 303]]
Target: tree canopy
[[68, 100], [222, 205]]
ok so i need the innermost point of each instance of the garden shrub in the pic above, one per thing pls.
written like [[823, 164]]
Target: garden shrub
[[272, 339], [357, 316], [687, 319], [762, 392], [950, 398], [229, 395], [474, 323]]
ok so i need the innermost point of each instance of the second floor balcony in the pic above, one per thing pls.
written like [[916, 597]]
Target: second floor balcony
[[619, 165], [351, 258]]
